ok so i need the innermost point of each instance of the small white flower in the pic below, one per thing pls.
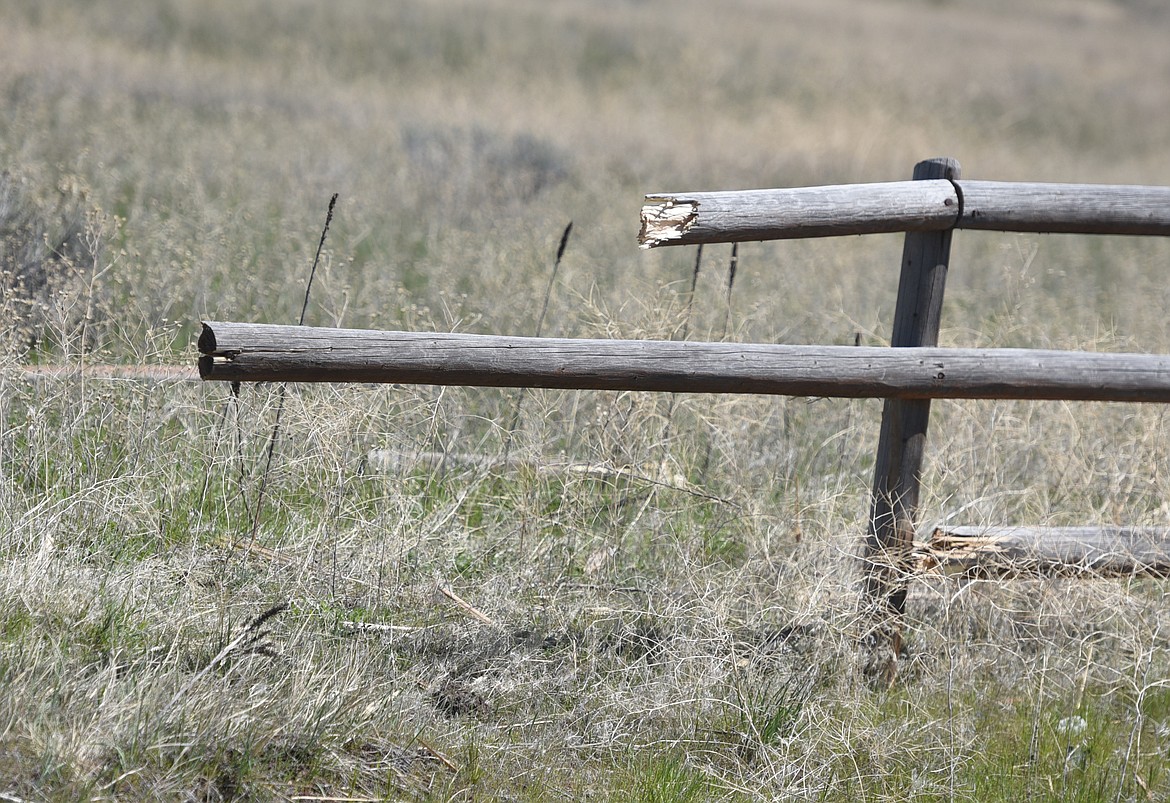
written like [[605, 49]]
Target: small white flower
[[1071, 726]]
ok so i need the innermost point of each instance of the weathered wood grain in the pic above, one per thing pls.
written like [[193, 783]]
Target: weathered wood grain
[[902, 439], [688, 218], [245, 352], [1065, 208], [724, 217]]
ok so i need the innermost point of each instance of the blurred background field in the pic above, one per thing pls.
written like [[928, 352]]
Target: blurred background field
[[659, 591]]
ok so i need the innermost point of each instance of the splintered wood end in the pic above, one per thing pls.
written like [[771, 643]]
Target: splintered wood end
[[665, 218]]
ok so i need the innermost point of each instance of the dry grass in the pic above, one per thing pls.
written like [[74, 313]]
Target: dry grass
[[676, 623]]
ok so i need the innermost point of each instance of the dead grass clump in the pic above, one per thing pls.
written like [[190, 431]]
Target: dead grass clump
[[50, 252]]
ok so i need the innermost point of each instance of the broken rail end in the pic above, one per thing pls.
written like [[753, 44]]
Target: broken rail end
[[666, 218]]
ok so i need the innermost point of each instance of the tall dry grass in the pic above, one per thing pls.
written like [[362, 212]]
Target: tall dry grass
[[658, 594]]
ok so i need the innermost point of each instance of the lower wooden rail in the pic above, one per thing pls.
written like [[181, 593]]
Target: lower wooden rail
[[1048, 551], [245, 352]]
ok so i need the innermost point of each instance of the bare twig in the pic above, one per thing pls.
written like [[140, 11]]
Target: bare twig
[[539, 329], [446, 762], [673, 399], [471, 610], [732, 264], [284, 388], [691, 295]]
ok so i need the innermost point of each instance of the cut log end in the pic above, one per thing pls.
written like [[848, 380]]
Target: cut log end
[[664, 219], [207, 367], [206, 339]]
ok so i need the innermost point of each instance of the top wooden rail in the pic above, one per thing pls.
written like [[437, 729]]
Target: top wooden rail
[[691, 218]]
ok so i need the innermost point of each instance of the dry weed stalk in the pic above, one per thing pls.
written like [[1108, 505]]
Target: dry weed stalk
[[251, 639]]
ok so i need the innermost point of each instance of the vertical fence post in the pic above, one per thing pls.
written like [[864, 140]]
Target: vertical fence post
[[901, 444]]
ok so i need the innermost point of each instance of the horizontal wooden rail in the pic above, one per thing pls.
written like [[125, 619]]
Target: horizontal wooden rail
[[1024, 551], [1065, 208], [723, 217], [711, 217], [245, 352]]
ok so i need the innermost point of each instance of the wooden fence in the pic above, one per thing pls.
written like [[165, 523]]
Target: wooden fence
[[928, 208]]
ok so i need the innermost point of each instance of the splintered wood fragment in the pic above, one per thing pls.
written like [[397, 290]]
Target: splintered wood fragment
[[1047, 551], [665, 219]]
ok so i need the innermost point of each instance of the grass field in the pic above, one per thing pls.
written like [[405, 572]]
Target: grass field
[[652, 598]]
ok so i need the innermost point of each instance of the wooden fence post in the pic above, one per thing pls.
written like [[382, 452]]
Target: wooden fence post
[[901, 444]]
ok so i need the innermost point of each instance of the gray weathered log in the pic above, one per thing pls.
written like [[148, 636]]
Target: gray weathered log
[[689, 218], [1024, 551], [245, 352], [724, 217], [1065, 208]]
